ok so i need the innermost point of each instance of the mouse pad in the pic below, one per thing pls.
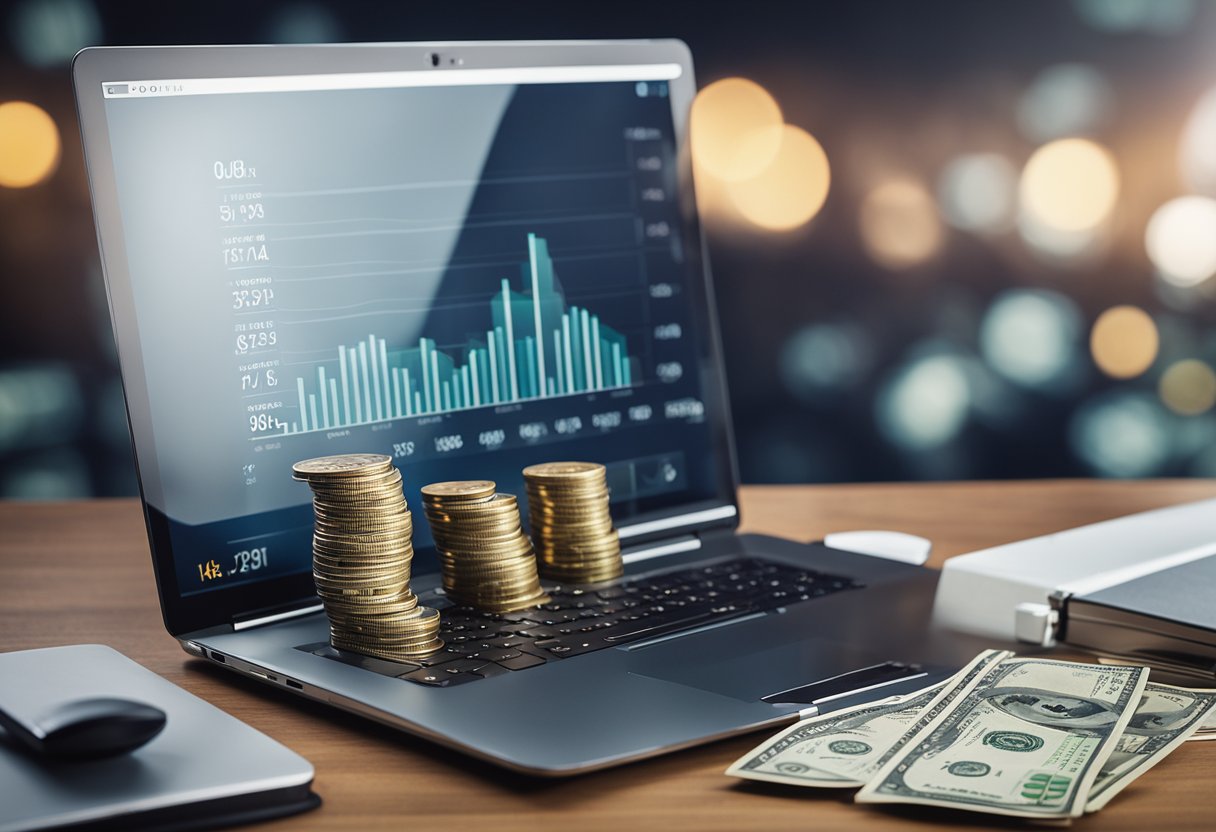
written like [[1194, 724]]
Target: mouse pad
[[203, 757]]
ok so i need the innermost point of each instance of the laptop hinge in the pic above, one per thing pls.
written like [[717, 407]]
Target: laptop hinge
[[263, 617], [659, 548], [711, 515]]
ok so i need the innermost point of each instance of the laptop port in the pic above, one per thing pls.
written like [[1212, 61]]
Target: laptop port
[[217, 657], [292, 683]]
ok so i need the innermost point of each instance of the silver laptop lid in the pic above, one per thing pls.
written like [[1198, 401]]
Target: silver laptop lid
[[473, 257]]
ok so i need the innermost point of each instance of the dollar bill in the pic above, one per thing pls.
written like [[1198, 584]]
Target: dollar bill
[[1027, 738], [1207, 729], [1164, 719], [843, 749]]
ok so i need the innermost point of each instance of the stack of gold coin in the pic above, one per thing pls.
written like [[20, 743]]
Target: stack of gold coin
[[361, 553], [487, 560], [571, 524]]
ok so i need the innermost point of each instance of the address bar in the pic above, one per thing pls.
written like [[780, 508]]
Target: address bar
[[388, 80]]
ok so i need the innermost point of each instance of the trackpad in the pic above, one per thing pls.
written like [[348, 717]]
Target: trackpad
[[744, 666]]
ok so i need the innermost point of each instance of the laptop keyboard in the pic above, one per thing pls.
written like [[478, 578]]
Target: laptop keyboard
[[582, 620]]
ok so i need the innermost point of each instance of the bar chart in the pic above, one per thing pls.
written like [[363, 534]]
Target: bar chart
[[535, 347]]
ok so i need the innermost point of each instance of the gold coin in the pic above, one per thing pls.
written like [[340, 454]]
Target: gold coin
[[344, 465], [459, 490], [564, 470]]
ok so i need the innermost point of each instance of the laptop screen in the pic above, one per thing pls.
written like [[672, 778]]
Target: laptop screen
[[470, 271]]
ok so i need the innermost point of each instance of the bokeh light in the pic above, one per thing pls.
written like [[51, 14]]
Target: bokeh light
[[926, 403], [61, 474], [1064, 100], [1157, 16], [1188, 387], [791, 189], [1030, 336], [1121, 434], [1124, 341], [1197, 153], [49, 32], [1069, 185], [899, 224], [1060, 247], [303, 23], [29, 144], [977, 192], [820, 359], [724, 115], [1181, 240], [38, 405]]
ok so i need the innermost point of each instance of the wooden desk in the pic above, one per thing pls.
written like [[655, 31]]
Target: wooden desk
[[80, 572]]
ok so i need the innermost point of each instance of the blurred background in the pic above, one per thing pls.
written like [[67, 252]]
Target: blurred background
[[950, 240]]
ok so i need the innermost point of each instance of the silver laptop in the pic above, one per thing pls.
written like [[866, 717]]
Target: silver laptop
[[323, 249]]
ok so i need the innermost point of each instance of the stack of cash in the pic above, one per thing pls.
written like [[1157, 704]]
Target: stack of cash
[[487, 560], [361, 558], [1031, 738], [570, 522]]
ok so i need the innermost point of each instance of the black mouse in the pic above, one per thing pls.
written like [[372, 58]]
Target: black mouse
[[85, 729]]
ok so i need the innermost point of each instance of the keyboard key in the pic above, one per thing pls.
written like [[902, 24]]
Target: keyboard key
[[521, 662], [456, 666], [432, 677], [488, 670], [497, 655]]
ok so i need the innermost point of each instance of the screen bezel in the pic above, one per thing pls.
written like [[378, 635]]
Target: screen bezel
[[94, 66]]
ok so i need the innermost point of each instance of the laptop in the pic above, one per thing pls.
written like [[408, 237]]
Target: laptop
[[286, 229]]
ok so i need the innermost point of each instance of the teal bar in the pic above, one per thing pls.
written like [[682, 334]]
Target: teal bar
[[530, 351], [397, 411], [426, 376], [303, 408], [447, 396], [617, 375], [354, 385], [510, 341], [323, 389], [560, 386], [537, 323], [368, 413], [476, 378], [584, 331], [628, 373], [597, 356], [493, 367], [344, 417], [312, 409], [438, 398], [504, 386], [378, 412], [571, 379], [407, 388], [417, 402], [576, 351], [384, 373], [464, 384], [333, 394], [483, 368]]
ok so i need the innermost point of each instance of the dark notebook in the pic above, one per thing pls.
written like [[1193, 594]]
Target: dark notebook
[[1165, 619]]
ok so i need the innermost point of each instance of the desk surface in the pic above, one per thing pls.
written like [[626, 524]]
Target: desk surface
[[80, 572]]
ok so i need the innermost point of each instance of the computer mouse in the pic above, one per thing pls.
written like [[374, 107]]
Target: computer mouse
[[900, 546], [84, 729]]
